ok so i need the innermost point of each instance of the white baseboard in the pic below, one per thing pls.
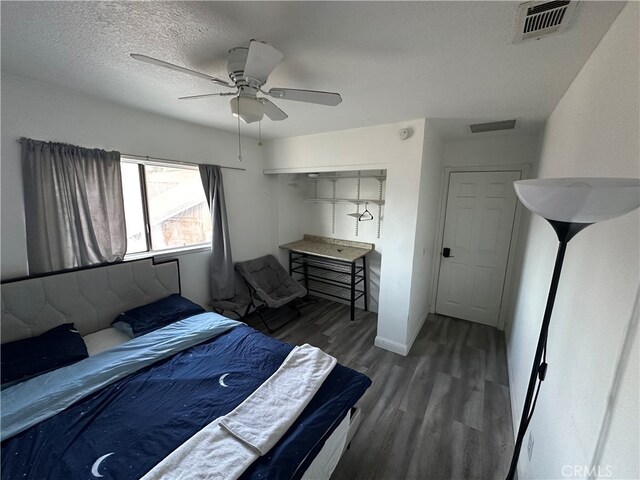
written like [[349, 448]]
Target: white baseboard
[[417, 332], [392, 346], [515, 412]]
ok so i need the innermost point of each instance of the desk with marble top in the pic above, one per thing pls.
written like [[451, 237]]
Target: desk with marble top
[[329, 266]]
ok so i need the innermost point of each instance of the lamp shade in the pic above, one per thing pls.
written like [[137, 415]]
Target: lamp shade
[[579, 200], [247, 108]]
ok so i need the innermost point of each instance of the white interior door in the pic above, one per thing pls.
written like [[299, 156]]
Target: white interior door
[[477, 231]]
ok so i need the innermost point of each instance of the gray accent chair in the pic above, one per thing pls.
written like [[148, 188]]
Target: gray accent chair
[[270, 286], [238, 304]]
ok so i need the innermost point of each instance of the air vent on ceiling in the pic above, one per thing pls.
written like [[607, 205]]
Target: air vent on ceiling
[[492, 126], [538, 19]]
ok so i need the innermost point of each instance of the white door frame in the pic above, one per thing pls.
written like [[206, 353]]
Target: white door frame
[[435, 276]]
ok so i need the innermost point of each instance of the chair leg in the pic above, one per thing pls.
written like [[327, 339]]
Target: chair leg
[[265, 322], [246, 311], [297, 310], [257, 311], [272, 330]]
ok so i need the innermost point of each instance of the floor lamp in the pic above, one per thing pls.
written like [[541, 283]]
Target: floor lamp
[[569, 205]]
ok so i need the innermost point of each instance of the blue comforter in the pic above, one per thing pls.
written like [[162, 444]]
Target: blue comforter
[[124, 429]]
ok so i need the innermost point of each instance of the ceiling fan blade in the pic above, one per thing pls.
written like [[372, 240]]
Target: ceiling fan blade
[[262, 58], [308, 96], [177, 68], [272, 111], [195, 97]]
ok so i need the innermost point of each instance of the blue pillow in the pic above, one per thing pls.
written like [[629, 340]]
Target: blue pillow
[[30, 357], [147, 318]]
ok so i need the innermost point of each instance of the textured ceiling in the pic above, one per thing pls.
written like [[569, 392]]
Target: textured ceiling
[[391, 61]]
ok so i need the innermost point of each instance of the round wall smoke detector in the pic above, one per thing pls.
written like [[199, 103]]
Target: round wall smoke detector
[[405, 133]]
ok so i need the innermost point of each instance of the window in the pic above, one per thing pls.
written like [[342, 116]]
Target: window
[[165, 207]]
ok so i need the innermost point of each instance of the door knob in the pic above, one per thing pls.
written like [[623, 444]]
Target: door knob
[[446, 252]]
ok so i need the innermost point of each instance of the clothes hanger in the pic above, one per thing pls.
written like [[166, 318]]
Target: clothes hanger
[[366, 215]]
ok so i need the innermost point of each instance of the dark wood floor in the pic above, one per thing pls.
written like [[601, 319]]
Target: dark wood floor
[[442, 412]]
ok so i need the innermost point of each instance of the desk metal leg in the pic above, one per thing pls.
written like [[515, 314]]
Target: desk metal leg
[[366, 284], [353, 290], [306, 272]]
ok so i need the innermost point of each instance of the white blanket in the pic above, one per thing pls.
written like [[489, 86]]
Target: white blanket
[[212, 453], [226, 447]]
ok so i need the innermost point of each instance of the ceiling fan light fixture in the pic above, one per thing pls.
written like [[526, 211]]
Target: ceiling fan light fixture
[[249, 69], [248, 109]]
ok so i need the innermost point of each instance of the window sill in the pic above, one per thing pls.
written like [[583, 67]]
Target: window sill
[[169, 252]]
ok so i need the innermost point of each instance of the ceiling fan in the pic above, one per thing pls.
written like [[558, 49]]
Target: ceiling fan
[[249, 69]]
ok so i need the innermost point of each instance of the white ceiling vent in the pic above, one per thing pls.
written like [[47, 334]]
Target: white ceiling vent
[[492, 126], [539, 19]]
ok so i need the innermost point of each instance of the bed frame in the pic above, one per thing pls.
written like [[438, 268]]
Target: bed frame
[[90, 297]]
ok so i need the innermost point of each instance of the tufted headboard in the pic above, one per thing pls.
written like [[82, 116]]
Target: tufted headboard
[[89, 297]]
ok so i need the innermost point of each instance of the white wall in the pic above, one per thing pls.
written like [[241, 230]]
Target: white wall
[[487, 149], [289, 219], [593, 131], [414, 169], [297, 217], [363, 148], [426, 228], [41, 111], [493, 149]]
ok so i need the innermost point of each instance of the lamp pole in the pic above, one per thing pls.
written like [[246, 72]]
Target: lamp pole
[[565, 232], [574, 203]]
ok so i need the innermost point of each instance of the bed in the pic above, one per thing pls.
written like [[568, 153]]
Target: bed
[[139, 406]]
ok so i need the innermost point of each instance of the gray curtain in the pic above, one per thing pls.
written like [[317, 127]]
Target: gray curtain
[[222, 274], [74, 209]]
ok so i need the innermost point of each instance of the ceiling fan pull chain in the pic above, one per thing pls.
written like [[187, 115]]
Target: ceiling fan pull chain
[[239, 142], [260, 133], [358, 204], [380, 180], [333, 207]]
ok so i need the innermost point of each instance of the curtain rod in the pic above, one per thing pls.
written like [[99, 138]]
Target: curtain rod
[[167, 160]]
